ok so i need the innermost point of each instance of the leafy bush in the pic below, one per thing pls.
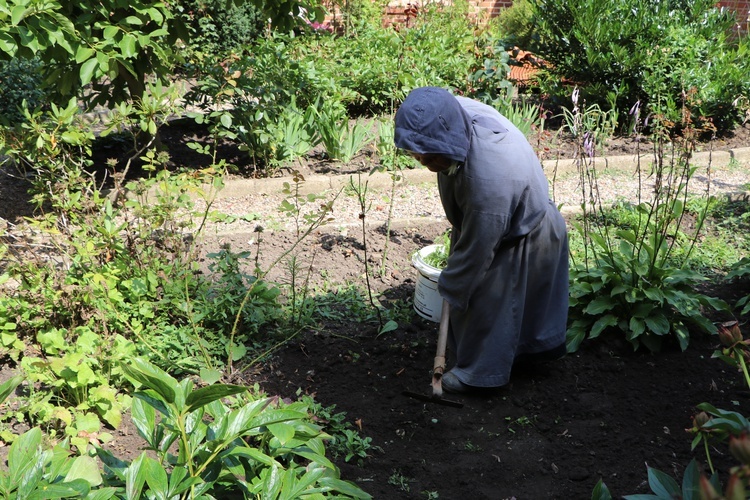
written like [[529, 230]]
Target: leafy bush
[[516, 24], [629, 279], [250, 96], [20, 81], [215, 441], [626, 51], [217, 28]]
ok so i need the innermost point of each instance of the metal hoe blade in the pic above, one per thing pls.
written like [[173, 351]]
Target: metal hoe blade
[[433, 399]]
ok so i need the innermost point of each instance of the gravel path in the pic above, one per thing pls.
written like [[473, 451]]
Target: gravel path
[[416, 196]]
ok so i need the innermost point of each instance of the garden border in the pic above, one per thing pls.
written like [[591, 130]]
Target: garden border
[[318, 183]]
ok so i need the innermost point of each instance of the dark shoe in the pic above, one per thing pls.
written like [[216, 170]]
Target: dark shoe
[[530, 360], [451, 384]]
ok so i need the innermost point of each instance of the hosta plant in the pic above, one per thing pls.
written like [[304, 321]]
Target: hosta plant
[[633, 277]]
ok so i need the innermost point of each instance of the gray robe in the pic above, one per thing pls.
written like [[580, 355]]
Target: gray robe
[[507, 277]]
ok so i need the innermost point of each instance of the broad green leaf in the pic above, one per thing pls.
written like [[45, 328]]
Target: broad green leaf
[[83, 53], [150, 398], [282, 431], [654, 293], [86, 468], [152, 377], [112, 464], [179, 481], [87, 71], [102, 494], [388, 327], [637, 326], [78, 488], [663, 485], [600, 305], [295, 487], [62, 21], [134, 478], [601, 492], [210, 375], [110, 32], [32, 475], [23, 454], [237, 352], [691, 482], [601, 324], [8, 44], [7, 387], [205, 395], [156, 477], [128, 45], [344, 487], [575, 336], [658, 324], [18, 14], [314, 457], [253, 454]]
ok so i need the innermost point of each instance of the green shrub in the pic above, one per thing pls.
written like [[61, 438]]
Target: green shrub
[[516, 24], [215, 441], [658, 53], [632, 277], [19, 80], [217, 27]]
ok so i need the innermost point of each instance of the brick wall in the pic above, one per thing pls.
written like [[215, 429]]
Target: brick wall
[[742, 12]]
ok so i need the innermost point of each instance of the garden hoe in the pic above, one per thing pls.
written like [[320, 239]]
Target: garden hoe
[[438, 366]]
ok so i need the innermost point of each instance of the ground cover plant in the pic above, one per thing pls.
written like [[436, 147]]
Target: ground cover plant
[[121, 312]]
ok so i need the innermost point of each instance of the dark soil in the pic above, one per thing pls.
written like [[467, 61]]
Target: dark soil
[[604, 412]]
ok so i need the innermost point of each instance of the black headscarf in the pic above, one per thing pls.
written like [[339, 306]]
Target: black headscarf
[[431, 121]]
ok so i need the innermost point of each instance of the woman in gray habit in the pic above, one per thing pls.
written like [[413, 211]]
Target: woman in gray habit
[[506, 280]]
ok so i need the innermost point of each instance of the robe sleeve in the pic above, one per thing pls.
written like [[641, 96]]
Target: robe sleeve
[[481, 211], [472, 253]]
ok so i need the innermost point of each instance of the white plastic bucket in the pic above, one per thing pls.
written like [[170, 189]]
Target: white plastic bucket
[[427, 301]]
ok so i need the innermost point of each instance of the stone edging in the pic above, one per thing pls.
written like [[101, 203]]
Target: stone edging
[[236, 188]]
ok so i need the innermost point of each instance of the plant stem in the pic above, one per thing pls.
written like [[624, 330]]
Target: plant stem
[[744, 366], [708, 455]]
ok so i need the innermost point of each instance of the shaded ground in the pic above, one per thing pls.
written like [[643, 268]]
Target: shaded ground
[[553, 432], [604, 412]]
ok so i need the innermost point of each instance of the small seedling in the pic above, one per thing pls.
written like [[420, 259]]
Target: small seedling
[[400, 481]]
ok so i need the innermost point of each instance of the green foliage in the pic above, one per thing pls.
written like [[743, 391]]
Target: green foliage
[[85, 42], [225, 444], [626, 51], [34, 472], [345, 441], [213, 441], [342, 141], [665, 487], [20, 81], [439, 257], [516, 24], [109, 44], [261, 90], [80, 380], [123, 280], [489, 83], [630, 279], [264, 99], [216, 28]]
